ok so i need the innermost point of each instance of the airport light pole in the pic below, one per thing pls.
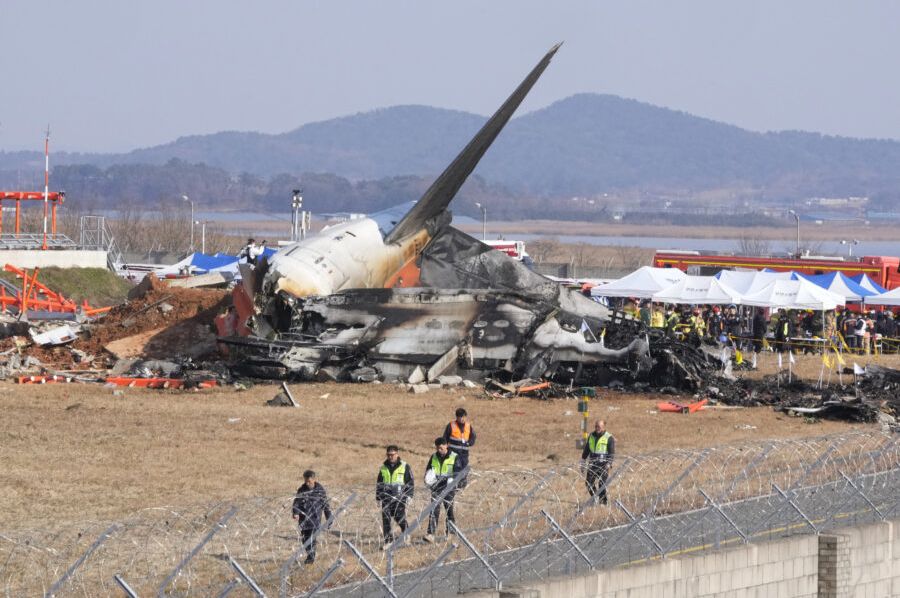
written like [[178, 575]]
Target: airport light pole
[[188, 199], [202, 224], [483, 221], [850, 245], [797, 216]]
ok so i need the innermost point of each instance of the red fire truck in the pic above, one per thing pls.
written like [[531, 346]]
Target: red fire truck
[[882, 270]]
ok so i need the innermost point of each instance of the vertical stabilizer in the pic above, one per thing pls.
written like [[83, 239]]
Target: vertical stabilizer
[[444, 189]]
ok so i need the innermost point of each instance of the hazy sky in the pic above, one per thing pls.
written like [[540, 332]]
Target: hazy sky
[[116, 75]]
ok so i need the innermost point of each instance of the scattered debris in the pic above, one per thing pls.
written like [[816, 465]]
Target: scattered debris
[[285, 398], [673, 407], [60, 335], [213, 279]]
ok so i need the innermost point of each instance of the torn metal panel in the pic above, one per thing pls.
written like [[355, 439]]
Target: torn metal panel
[[60, 335], [453, 259]]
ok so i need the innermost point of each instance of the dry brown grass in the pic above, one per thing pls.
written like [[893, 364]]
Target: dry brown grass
[[72, 452]]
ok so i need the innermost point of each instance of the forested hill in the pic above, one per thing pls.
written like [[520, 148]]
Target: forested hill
[[587, 144]]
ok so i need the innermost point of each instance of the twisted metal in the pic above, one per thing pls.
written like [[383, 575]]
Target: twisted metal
[[513, 526]]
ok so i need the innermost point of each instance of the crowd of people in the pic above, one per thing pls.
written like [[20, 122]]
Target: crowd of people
[[756, 329]]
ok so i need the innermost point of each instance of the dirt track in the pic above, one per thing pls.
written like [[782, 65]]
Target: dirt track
[[75, 452]]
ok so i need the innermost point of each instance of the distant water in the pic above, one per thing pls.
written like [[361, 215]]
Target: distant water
[[891, 248]]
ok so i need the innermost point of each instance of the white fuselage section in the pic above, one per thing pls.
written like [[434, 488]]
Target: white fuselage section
[[350, 255]]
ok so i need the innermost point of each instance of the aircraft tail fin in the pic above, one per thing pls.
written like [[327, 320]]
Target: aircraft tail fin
[[444, 189]]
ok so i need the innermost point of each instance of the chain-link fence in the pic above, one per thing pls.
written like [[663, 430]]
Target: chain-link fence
[[514, 526]]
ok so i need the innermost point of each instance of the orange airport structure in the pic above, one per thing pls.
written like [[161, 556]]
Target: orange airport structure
[[38, 297], [55, 199]]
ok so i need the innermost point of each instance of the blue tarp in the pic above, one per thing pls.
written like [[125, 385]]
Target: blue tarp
[[204, 262], [208, 262]]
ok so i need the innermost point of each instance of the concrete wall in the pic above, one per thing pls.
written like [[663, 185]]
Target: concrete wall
[[870, 560], [64, 258], [862, 562]]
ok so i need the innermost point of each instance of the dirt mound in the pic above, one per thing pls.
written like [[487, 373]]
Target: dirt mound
[[177, 318]]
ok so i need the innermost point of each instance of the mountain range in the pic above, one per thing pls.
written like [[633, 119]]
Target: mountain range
[[584, 145]]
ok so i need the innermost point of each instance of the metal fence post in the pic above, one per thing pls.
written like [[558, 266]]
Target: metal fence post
[[229, 587], [62, 580], [221, 523], [124, 585], [604, 487], [324, 579], [468, 544], [430, 569], [861, 493], [247, 579], [790, 500], [370, 568], [812, 467], [636, 522], [522, 500], [568, 538], [719, 510]]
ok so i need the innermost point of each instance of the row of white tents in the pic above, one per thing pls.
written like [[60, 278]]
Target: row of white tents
[[781, 290]]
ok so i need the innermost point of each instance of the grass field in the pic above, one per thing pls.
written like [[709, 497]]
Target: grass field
[[75, 452]]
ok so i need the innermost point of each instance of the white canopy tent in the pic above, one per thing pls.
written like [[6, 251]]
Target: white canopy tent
[[641, 283], [698, 290], [793, 294], [748, 282], [889, 298]]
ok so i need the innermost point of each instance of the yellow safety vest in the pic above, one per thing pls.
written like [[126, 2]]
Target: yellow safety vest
[[445, 469], [597, 446], [393, 478]]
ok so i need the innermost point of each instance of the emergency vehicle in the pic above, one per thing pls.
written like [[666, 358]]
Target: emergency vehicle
[[882, 270]]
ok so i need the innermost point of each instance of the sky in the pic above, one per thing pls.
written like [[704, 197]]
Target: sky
[[114, 76]]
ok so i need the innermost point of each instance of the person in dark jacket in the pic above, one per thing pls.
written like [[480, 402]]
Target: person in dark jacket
[[596, 457], [310, 504], [759, 327], [394, 488], [460, 437], [442, 467]]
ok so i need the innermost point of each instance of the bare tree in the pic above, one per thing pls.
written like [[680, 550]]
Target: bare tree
[[748, 245], [544, 249]]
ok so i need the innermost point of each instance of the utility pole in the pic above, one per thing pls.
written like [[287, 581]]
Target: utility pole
[[188, 199], [797, 216], [483, 221]]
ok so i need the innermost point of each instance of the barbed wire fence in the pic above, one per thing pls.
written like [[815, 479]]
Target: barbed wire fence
[[514, 526]]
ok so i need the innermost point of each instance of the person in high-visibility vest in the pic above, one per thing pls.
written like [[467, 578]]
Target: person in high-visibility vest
[[460, 436], [394, 488], [443, 466], [597, 456]]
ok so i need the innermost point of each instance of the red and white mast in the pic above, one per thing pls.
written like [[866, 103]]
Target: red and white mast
[[46, 183]]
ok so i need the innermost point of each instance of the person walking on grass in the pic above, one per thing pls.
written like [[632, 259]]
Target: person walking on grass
[[596, 458], [440, 471], [460, 437], [310, 503], [394, 488]]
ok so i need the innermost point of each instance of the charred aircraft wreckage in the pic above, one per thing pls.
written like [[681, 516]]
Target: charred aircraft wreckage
[[400, 291]]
